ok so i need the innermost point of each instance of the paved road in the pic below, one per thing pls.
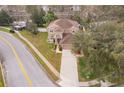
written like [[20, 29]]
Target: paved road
[[68, 71], [21, 68]]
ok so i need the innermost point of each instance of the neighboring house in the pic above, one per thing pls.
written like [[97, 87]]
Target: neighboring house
[[18, 13], [2, 7], [62, 11], [61, 32]]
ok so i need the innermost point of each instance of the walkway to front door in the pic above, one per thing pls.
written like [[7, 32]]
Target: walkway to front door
[[68, 71]]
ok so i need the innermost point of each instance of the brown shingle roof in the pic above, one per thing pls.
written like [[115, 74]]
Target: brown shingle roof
[[63, 24], [67, 38]]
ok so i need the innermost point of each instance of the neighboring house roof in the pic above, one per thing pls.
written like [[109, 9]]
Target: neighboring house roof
[[60, 25]]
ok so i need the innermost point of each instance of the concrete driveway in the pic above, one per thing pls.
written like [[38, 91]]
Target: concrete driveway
[[21, 69], [68, 71]]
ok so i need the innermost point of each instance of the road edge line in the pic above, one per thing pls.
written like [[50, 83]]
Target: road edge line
[[3, 76]]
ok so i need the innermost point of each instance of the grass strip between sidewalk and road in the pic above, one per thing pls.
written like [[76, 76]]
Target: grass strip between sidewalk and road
[[1, 77], [4, 29]]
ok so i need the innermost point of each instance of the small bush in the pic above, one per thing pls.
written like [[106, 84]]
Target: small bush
[[12, 31]]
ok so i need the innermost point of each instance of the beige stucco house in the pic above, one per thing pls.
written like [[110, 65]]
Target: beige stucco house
[[61, 32]]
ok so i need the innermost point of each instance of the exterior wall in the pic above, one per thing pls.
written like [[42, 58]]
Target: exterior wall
[[3, 7], [52, 35], [62, 11], [76, 8]]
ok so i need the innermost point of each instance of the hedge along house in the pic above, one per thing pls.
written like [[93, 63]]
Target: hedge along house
[[60, 32]]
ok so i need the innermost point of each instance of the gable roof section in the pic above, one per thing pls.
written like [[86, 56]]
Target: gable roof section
[[63, 25]]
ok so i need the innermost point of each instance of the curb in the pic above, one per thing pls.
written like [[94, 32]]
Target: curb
[[3, 76]]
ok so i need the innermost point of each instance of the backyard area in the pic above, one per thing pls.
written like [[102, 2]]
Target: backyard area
[[47, 49]]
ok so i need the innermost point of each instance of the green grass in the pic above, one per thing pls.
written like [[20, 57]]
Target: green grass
[[3, 29], [81, 66], [40, 42], [84, 71], [1, 79]]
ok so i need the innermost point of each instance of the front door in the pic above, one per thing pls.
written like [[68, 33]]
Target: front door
[[58, 40]]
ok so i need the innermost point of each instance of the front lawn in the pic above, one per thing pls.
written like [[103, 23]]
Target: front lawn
[[40, 42], [4, 29], [84, 71]]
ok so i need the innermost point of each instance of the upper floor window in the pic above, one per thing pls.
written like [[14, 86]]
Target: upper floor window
[[51, 30]]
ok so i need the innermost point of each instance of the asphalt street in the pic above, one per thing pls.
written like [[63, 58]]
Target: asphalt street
[[21, 68]]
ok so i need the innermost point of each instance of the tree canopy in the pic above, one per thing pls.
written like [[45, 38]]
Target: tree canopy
[[50, 16], [32, 27], [5, 19], [103, 49], [36, 15]]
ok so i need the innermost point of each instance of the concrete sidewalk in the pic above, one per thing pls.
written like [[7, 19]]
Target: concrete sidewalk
[[68, 71]]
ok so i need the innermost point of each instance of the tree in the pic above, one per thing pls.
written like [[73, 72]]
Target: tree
[[50, 16], [77, 18], [32, 27], [103, 49], [36, 15], [5, 19], [111, 12]]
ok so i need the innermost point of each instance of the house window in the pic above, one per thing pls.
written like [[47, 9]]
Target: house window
[[71, 8], [51, 30]]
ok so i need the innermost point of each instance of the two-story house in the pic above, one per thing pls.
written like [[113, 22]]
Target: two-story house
[[61, 32]]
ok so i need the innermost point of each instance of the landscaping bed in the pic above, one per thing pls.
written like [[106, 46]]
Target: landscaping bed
[[47, 49]]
